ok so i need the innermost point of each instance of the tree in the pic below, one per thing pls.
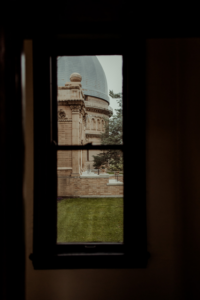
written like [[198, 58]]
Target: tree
[[98, 161], [113, 135]]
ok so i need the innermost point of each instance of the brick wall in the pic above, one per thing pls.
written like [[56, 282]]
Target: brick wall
[[62, 172], [76, 186], [64, 133], [64, 158]]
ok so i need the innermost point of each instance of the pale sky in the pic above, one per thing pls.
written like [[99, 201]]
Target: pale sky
[[112, 65]]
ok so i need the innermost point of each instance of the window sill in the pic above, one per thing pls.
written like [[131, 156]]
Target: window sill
[[89, 261], [115, 183]]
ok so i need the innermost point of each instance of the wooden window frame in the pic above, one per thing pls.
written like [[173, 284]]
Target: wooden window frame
[[46, 253]]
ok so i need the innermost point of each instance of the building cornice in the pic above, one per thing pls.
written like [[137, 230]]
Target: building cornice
[[100, 110], [86, 107], [71, 102]]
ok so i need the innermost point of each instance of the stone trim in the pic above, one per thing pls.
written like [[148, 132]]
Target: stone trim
[[95, 176], [70, 86], [65, 120], [85, 108], [75, 108], [73, 87], [92, 135], [64, 168], [104, 175], [99, 110], [89, 177], [116, 183], [83, 111], [113, 175], [70, 102]]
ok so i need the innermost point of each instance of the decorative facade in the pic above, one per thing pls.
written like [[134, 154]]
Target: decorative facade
[[81, 120]]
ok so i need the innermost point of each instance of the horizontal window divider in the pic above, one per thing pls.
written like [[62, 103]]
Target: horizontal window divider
[[90, 243], [90, 147], [93, 247]]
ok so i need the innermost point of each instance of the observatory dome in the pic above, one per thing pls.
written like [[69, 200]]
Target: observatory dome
[[94, 82]]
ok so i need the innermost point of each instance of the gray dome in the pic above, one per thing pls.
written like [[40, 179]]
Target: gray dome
[[93, 82]]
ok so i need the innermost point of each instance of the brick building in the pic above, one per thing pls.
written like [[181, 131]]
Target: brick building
[[83, 109]]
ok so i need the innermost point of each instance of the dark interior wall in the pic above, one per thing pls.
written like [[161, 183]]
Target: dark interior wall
[[189, 160], [173, 190], [12, 259], [172, 116], [173, 106]]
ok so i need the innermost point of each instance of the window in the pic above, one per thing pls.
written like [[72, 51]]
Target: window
[[102, 125], [93, 124], [47, 253], [88, 123]]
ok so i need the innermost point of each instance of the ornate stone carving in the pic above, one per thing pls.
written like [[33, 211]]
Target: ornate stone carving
[[70, 86], [75, 108], [83, 111], [72, 90], [62, 116]]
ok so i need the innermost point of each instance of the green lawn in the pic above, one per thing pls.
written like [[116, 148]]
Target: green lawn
[[90, 220]]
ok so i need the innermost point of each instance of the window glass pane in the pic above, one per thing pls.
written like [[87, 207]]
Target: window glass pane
[[90, 182], [90, 196], [89, 100]]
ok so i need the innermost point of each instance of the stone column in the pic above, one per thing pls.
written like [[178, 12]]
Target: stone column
[[75, 139]]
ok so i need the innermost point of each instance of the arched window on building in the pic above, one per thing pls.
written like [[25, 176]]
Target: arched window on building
[[93, 124], [98, 124], [102, 125], [88, 123]]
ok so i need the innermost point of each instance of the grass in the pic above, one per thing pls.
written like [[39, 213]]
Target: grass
[[90, 220]]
